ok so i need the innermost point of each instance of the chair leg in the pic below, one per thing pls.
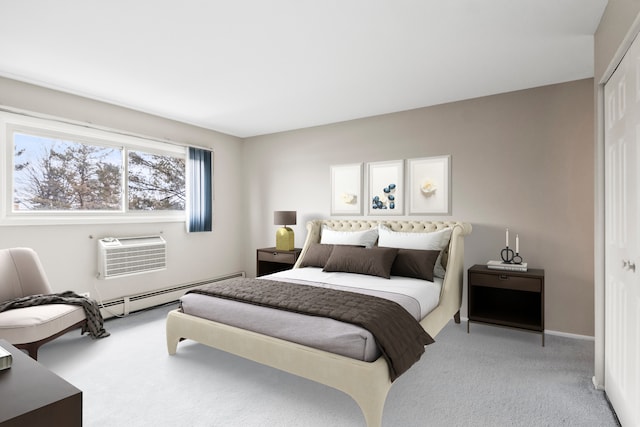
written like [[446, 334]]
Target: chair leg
[[33, 352], [32, 347]]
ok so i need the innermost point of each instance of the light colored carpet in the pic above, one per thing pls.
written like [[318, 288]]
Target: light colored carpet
[[491, 377]]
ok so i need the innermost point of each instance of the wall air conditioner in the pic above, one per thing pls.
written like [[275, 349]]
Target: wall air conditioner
[[125, 256]]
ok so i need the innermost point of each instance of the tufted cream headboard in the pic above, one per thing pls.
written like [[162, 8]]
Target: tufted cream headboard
[[314, 228], [451, 293]]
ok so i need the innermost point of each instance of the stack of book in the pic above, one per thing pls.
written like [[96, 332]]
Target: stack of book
[[499, 265], [5, 359]]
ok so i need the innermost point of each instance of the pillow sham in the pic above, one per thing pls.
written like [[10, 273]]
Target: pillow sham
[[415, 263], [369, 261], [366, 238], [317, 255], [399, 239], [435, 240]]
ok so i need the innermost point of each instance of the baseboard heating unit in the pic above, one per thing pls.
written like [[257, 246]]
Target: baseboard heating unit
[[125, 256], [129, 304]]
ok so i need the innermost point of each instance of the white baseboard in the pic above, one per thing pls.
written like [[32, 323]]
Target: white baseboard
[[568, 335], [597, 385], [124, 305], [558, 333]]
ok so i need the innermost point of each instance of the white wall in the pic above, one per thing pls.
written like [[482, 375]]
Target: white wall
[[522, 160], [68, 252]]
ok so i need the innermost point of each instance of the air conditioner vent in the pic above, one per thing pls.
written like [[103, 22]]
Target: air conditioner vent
[[124, 256]]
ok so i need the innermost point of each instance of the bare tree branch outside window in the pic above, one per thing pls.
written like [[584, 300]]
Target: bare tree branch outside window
[[61, 175], [156, 182]]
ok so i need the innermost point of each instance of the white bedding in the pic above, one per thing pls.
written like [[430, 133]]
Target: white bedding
[[418, 297]]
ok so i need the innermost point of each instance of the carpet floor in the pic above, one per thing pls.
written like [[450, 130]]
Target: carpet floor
[[490, 377]]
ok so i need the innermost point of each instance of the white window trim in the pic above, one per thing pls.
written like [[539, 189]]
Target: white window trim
[[10, 122]]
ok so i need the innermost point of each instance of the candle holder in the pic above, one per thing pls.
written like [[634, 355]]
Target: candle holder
[[510, 257]]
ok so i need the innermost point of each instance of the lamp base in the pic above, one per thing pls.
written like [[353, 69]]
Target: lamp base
[[285, 239]]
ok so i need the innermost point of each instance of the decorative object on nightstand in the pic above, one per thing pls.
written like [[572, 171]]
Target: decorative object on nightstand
[[284, 236], [272, 260], [513, 299], [511, 261]]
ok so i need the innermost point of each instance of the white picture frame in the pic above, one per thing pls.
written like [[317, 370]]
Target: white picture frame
[[386, 188], [429, 185], [346, 189]]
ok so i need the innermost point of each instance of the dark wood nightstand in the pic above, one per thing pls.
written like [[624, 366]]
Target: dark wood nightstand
[[272, 260], [506, 298]]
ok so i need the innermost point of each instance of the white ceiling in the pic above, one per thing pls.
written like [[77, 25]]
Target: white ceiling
[[252, 67]]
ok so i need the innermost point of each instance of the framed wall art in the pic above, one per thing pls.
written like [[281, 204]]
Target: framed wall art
[[429, 189], [386, 188], [346, 189]]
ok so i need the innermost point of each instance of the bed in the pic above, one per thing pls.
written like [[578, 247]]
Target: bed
[[366, 379]]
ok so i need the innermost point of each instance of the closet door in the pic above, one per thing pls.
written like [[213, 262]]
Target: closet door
[[622, 216]]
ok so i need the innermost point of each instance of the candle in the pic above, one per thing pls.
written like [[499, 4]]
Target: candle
[[507, 238], [517, 244]]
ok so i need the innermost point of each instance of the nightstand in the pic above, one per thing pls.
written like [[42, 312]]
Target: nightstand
[[272, 260], [506, 298]]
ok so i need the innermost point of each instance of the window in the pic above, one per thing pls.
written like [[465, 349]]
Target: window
[[156, 182], [64, 171], [61, 175]]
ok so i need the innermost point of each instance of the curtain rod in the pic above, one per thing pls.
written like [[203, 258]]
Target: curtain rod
[[26, 113]]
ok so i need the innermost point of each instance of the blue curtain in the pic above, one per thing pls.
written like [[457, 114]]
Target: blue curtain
[[200, 197]]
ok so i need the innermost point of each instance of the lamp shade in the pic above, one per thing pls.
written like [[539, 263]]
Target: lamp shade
[[284, 218]]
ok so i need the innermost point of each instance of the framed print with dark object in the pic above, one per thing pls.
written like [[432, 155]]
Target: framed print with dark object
[[386, 189], [346, 189], [429, 189]]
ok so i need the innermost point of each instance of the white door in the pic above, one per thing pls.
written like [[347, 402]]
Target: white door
[[622, 219]]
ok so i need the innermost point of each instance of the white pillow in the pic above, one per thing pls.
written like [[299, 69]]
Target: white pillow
[[435, 240], [366, 238]]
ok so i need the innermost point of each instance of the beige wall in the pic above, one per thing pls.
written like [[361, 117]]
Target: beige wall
[[68, 253], [522, 160]]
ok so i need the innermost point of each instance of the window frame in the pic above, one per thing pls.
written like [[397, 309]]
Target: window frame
[[86, 134]]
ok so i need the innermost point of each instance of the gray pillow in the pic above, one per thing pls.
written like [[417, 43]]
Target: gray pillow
[[317, 255], [415, 263], [371, 261]]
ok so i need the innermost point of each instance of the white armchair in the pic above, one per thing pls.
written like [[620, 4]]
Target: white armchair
[[22, 274]]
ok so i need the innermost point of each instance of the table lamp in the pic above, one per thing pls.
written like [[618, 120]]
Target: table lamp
[[284, 235]]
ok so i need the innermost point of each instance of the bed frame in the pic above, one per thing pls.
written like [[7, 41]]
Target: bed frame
[[367, 383]]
